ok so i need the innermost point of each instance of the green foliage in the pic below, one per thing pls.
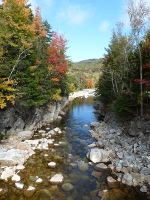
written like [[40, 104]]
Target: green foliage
[[123, 106], [118, 86], [25, 72], [3, 136]]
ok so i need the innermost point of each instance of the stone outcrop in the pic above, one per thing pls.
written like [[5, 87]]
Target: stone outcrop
[[14, 119]]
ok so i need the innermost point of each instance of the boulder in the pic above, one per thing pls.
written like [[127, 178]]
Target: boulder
[[96, 174], [57, 178], [19, 185], [67, 187], [39, 180], [25, 135], [15, 178], [127, 179], [20, 167], [94, 125], [14, 157], [29, 192], [95, 155], [7, 173], [101, 166], [112, 183], [98, 155], [143, 188], [83, 166], [52, 164], [145, 171]]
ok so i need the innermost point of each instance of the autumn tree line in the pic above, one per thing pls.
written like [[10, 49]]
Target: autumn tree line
[[33, 61], [84, 74], [125, 82]]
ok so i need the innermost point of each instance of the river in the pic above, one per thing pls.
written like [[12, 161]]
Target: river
[[69, 154]]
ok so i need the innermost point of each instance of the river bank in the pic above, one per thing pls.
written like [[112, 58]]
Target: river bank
[[126, 147]]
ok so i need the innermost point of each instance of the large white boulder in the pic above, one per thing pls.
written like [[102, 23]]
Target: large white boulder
[[14, 157], [15, 178], [7, 173], [98, 155]]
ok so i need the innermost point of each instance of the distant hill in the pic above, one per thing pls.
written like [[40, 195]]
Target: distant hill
[[85, 74], [89, 63]]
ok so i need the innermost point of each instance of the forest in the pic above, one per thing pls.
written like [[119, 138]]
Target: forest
[[33, 60], [124, 85], [34, 67], [84, 74]]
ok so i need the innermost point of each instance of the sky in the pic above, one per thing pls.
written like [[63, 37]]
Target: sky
[[86, 24]]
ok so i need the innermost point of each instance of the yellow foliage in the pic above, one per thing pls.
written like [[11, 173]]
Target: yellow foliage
[[57, 96], [6, 90], [33, 67], [55, 79]]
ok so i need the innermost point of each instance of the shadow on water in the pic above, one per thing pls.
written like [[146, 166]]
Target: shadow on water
[[88, 183]]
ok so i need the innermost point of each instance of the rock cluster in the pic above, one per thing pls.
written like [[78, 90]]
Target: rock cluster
[[15, 152], [84, 93], [128, 153]]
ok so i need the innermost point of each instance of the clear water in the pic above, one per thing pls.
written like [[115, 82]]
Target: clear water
[[75, 126]]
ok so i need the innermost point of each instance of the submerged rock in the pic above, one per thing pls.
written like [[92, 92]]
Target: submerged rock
[[101, 166], [67, 187], [112, 183], [83, 166], [57, 178], [29, 192]]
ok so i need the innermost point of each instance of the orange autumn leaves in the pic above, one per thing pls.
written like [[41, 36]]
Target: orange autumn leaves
[[57, 58], [23, 37]]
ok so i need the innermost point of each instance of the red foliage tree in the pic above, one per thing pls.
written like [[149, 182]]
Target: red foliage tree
[[57, 59]]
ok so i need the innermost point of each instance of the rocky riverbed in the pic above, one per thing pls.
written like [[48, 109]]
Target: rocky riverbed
[[126, 153], [83, 93], [16, 150], [124, 148]]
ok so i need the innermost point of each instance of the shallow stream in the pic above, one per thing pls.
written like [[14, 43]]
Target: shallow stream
[[70, 151]]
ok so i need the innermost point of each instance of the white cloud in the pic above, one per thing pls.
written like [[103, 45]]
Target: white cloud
[[74, 14], [104, 27], [45, 3]]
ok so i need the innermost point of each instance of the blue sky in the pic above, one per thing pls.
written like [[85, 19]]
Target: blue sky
[[86, 24]]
